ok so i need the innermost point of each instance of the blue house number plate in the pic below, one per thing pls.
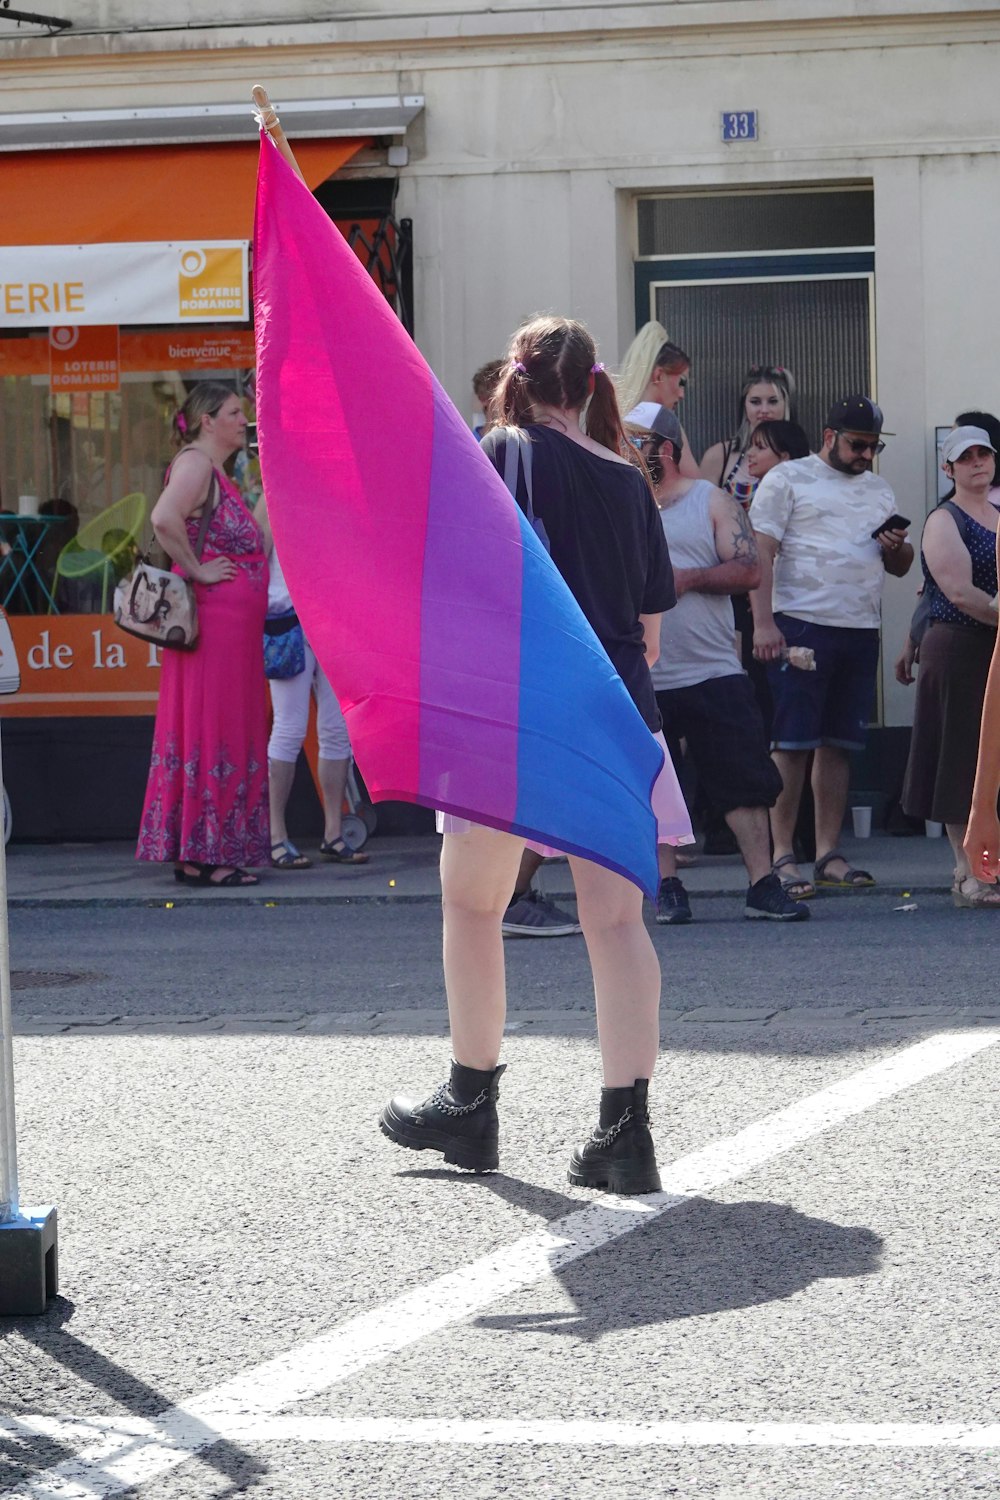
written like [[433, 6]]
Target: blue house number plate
[[739, 125]]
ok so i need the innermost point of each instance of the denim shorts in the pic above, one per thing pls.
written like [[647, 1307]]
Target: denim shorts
[[833, 705]]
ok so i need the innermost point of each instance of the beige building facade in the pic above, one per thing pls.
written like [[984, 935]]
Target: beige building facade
[[572, 158]]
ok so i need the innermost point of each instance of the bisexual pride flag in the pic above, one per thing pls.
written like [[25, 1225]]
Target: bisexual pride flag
[[468, 676]]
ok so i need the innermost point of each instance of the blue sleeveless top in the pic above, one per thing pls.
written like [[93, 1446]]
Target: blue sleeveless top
[[982, 545]]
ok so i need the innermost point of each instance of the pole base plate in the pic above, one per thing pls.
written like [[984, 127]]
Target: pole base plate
[[29, 1262]]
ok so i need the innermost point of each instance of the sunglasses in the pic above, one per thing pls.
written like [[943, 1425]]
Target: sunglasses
[[758, 370], [859, 446]]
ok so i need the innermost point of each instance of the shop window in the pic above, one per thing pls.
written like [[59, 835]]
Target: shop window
[[745, 222], [69, 458]]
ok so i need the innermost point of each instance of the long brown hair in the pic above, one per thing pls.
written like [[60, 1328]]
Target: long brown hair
[[553, 362]]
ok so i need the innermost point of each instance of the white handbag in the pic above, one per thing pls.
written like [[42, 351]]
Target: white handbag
[[160, 606]]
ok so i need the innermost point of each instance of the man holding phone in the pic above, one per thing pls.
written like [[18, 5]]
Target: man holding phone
[[827, 532]]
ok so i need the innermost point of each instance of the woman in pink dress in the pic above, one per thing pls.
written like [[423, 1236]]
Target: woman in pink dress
[[207, 803]]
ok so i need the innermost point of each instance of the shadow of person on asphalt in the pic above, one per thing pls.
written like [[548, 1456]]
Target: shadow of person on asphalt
[[695, 1258], [698, 1258], [48, 1337]]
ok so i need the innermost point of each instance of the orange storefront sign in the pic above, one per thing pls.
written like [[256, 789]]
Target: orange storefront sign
[[78, 666], [84, 359], [194, 350], [142, 353]]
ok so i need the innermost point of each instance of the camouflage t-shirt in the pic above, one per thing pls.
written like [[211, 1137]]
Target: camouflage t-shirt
[[828, 570]]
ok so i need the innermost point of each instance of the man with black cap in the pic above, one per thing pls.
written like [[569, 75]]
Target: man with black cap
[[702, 691], [825, 549]]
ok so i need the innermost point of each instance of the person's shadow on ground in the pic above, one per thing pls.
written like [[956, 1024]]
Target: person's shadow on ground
[[27, 1344], [695, 1258]]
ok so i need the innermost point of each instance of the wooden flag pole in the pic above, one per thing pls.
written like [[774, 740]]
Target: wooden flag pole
[[268, 117]]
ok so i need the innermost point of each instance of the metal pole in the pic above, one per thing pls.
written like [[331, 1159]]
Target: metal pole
[[8, 1134]]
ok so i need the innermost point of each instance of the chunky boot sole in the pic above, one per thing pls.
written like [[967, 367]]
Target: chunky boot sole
[[626, 1178], [470, 1155]]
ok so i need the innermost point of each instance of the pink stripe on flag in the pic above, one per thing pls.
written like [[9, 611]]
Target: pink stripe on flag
[[336, 429]]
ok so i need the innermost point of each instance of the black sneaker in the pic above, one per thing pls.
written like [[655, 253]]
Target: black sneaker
[[768, 901], [672, 905], [620, 1158], [531, 915], [467, 1135]]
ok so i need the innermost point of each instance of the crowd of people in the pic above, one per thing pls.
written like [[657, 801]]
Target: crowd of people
[[763, 674], [738, 597]]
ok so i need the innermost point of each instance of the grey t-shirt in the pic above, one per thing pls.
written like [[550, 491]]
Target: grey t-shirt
[[698, 636]]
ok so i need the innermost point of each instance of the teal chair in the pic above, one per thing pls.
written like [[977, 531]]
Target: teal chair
[[103, 548]]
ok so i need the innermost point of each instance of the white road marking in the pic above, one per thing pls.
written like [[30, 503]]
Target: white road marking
[[118, 1460], [539, 1434]]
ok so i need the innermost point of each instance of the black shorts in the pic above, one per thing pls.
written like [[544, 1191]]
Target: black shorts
[[725, 738]]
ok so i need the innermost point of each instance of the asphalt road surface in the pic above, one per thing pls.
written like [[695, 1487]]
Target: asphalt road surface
[[261, 1295]]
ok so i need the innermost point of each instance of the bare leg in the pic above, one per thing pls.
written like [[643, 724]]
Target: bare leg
[[830, 776], [530, 863], [785, 812], [667, 858], [750, 828], [332, 784], [626, 972], [281, 774], [478, 870], [956, 838]]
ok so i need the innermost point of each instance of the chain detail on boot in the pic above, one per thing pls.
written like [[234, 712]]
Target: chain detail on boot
[[602, 1138], [620, 1157], [466, 1134], [439, 1099]]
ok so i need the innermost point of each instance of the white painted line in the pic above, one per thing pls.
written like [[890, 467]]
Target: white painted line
[[539, 1434], [117, 1462]]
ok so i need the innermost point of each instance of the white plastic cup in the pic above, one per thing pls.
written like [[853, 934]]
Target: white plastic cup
[[862, 818], [27, 505], [933, 830]]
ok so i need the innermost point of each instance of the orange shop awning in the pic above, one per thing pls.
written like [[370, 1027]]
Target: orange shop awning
[[137, 193]]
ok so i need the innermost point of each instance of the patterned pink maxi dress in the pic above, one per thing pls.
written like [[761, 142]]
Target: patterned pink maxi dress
[[206, 801]]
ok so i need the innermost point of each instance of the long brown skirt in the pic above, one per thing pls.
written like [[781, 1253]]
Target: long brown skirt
[[951, 685]]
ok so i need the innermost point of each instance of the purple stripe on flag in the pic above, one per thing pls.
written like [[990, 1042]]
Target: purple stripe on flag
[[470, 629]]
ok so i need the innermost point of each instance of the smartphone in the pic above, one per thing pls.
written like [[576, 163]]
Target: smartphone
[[894, 523]]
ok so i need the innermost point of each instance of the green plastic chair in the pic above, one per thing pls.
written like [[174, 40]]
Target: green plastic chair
[[106, 546]]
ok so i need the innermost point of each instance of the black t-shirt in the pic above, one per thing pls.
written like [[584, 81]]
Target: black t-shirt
[[607, 542]]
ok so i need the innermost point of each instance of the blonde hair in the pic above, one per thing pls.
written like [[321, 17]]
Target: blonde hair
[[206, 399], [651, 349]]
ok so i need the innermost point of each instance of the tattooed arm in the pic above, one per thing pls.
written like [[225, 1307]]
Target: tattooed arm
[[738, 568]]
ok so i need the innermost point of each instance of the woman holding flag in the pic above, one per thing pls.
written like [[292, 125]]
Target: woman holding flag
[[604, 536], [479, 685]]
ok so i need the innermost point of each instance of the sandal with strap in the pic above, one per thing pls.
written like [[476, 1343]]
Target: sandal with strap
[[851, 880], [235, 877], [285, 856], [338, 853], [204, 875], [795, 886], [981, 896]]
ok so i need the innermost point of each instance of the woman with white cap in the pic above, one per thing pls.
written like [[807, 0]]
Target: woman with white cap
[[958, 554]]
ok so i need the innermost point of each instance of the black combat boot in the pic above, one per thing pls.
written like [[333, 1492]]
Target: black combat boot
[[459, 1119], [619, 1156]]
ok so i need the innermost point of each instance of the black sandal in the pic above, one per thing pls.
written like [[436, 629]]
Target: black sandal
[[235, 877], [204, 875]]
